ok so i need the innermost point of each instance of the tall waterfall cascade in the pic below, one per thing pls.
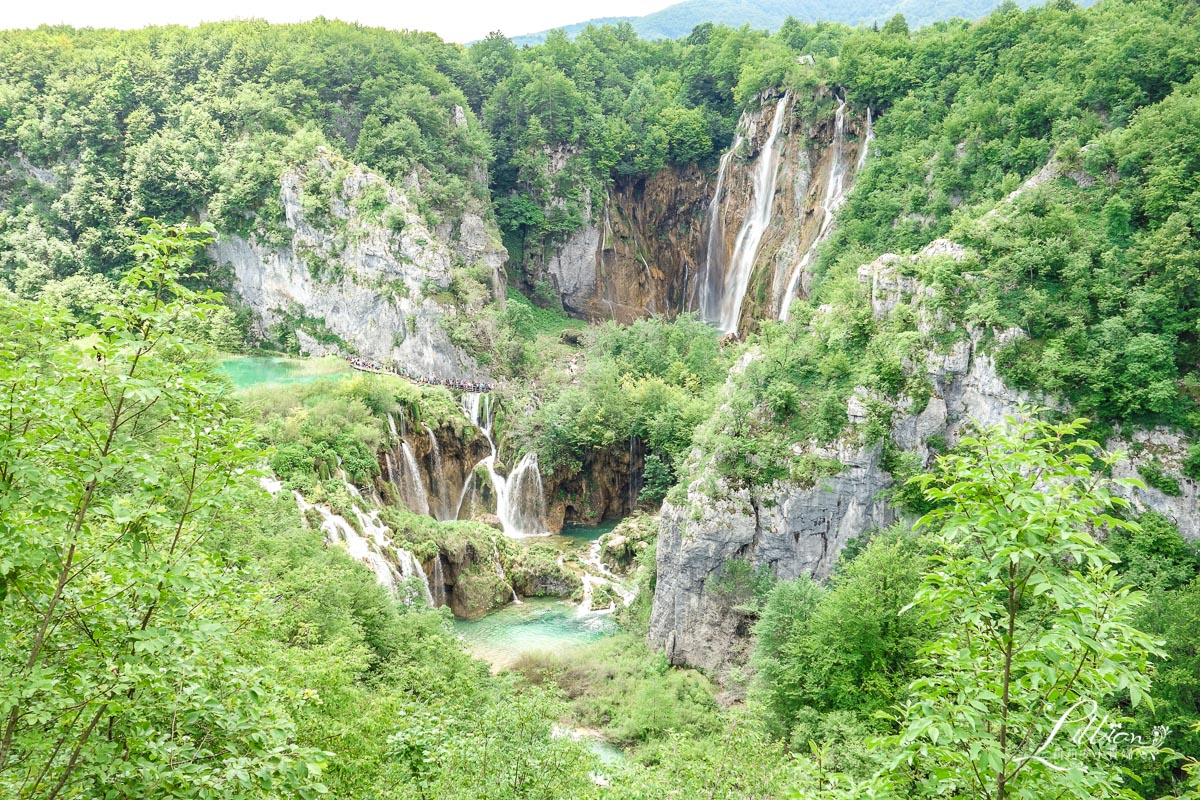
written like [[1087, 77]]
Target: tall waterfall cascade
[[712, 277], [724, 309], [837, 187]]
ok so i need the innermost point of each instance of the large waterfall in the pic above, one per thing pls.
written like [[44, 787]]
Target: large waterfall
[[712, 278], [736, 278], [520, 497], [836, 189]]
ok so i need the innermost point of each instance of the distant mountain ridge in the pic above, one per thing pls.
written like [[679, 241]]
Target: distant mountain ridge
[[676, 21]]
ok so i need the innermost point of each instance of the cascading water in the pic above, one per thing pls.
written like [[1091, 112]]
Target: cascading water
[[524, 506], [439, 582], [369, 546], [467, 491], [600, 575], [836, 189], [866, 143], [407, 479], [520, 498], [712, 279], [437, 477], [745, 246], [502, 574]]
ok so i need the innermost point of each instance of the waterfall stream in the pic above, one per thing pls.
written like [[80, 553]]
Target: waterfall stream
[[403, 472], [520, 497], [370, 546], [836, 189], [758, 219], [712, 278], [437, 477]]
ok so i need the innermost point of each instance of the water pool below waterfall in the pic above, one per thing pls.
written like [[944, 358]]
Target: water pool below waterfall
[[538, 625]]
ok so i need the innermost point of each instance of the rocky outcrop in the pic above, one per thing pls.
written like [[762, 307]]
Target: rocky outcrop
[[538, 570], [1164, 451], [605, 487], [635, 256], [621, 547], [357, 269], [785, 528], [471, 582]]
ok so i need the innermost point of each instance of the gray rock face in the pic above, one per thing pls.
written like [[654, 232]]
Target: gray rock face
[[792, 529], [573, 263], [1167, 450], [789, 529], [350, 280]]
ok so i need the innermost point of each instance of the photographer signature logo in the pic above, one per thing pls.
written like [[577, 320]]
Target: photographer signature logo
[[1095, 730]]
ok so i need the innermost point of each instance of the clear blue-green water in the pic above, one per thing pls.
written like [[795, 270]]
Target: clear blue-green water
[[246, 372], [538, 625], [588, 533]]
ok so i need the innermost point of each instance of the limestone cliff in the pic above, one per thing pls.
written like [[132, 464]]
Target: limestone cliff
[[635, 256], [667, 243], [356, 268], [789, 528]]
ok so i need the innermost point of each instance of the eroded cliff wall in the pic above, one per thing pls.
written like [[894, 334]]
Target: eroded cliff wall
[[356, 268]]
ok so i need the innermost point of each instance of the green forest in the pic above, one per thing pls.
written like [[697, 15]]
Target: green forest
[[184, 612]]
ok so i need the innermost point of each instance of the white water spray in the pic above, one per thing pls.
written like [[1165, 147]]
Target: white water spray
[[745, 246], [836, 189], [520, 498]]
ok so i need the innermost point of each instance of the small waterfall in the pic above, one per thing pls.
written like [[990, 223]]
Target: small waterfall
[[503, 575], [338, 531], [745, 246], [868, 137], [410, 567], [408, 480], [439, 582], [437, 477], [520, 498], [712, 277], [478, 408], [523, 508], [468, 486], [368, 548], [836, 190], [635, 478], [601, 576]]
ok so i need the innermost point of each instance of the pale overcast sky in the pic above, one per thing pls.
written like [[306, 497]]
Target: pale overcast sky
[[455, 20]]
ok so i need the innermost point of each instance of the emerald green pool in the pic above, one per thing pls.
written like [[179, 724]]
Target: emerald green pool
[[246, 372], [538, 625]]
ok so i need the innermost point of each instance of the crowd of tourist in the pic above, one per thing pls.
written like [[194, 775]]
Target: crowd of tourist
[[367, 365]]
